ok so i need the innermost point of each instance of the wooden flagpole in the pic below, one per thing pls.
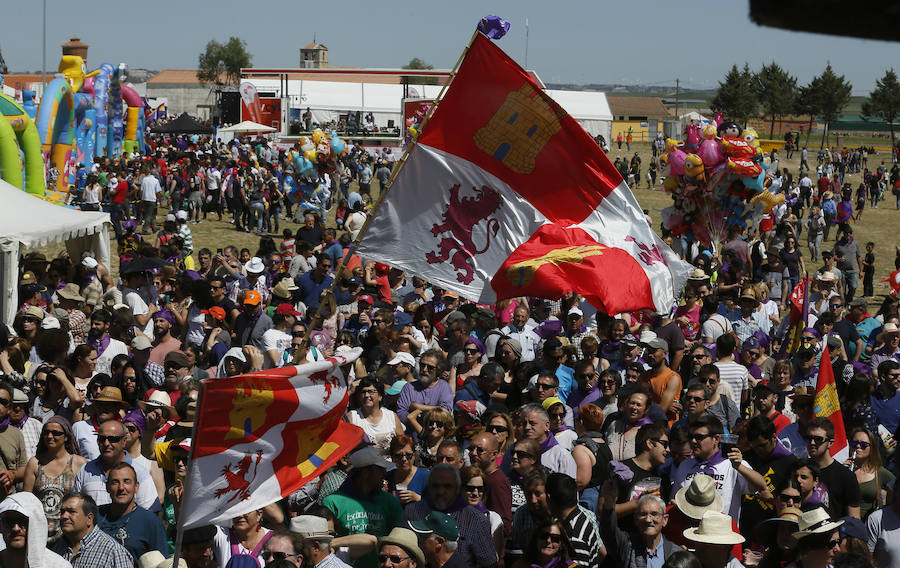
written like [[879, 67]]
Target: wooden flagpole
[[394, 173], [186, 492]]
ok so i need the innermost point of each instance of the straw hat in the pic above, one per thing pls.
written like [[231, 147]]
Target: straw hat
[[765, 530], [155, 559], [71, 292], [110, 395], [698, 275], [698, 497], [815, 521], [407, 540], [827, 276], [889, 328], [715, 528], [748, 294]]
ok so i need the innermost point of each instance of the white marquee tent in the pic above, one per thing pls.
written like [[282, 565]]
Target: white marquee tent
[[328, 99], [27, 221]]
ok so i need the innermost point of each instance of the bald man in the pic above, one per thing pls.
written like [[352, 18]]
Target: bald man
[[483, 452]]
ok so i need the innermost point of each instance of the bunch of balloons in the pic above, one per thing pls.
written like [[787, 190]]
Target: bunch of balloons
[[414, 123], [718, 177], [318, 154]]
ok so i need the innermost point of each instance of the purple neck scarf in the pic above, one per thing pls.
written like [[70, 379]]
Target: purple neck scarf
[[100, 344], [709, 466], [4, 424], [549, 442]]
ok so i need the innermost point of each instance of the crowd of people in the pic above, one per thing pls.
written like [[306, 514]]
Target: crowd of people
[[530, 433]]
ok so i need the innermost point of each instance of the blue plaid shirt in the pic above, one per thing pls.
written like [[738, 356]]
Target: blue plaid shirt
[[97, 550]]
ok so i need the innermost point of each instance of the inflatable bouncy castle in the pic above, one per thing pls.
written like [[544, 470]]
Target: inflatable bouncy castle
[[81, 115]]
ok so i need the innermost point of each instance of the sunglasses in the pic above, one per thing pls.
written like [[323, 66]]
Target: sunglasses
[[269, 555], [608, 382], [403, 455], [111, 439], [700, 437], [663, 443], [474, 488], [694, 399], [817, 440], [437, 424], [785, 497], [4, 401], [859, 444], [538, 386], [496, 429], [382, 558], [521, 454], [54, 433], [554, 538], [472, 351], [834, 543]]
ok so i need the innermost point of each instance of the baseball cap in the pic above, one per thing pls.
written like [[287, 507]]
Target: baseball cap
[[170, 218], [181, 215], [403, 357], [141, 342], [402, 319], [367, 299], [285, 310], [576, 312], [656, 343], [216, 312], [252, 298], [369, 456], [437, 523], [550, 401]]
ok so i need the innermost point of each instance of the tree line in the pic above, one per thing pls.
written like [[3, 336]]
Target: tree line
[[773, 93]]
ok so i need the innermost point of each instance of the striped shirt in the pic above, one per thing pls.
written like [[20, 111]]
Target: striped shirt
[[98, 550], [735, 375], [584, 538]]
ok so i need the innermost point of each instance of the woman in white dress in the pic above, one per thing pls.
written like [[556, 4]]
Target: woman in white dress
[[379, 424]]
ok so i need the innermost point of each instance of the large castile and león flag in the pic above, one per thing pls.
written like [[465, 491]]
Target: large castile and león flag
[[261, 436], [504, 195]]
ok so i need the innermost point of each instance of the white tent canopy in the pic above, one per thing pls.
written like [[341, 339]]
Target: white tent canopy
[[247, 126], [326, 100], [27, 221]]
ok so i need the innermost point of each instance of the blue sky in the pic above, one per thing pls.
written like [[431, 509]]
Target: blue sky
[[591, 41]]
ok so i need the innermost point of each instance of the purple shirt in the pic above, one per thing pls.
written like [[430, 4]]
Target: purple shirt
[[439, 394], [577, 399]]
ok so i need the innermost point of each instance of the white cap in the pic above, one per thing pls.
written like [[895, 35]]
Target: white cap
[[113, 181], [170, 217], [89, 262], [402, 357], [577, 312], [181, 215], [49, 322]]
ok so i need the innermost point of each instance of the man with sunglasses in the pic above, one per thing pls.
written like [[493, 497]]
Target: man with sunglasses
[[886, 399], [733, 475], [771, 459], [93, 476], [695, 402], [427, 392], [554, 356], [843, 488], [24, 529]]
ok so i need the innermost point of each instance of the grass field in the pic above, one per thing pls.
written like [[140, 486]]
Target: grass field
[[878, 225]]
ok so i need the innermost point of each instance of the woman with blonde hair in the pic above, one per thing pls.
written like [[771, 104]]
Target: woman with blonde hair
[[14, 362], [435, 426]]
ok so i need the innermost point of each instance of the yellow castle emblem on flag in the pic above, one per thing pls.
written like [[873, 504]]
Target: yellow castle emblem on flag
[[248, 411], [520, 129], [521, 273]]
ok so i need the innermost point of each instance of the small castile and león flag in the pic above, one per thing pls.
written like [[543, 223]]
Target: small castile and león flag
[[261, 436], [505, 195]]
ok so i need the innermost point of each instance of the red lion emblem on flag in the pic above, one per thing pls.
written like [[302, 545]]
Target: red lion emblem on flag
[[460, 219], [238, 482]]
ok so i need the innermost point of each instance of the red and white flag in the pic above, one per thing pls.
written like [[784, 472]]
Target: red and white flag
[[504, 187], [827, 405], [261, 436]]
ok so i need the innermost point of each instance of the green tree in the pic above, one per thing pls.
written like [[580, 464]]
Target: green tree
[[884, 101], [833, 94], [416, 63], [223, 61], [735, 96], [807, 103], [777, 92]]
